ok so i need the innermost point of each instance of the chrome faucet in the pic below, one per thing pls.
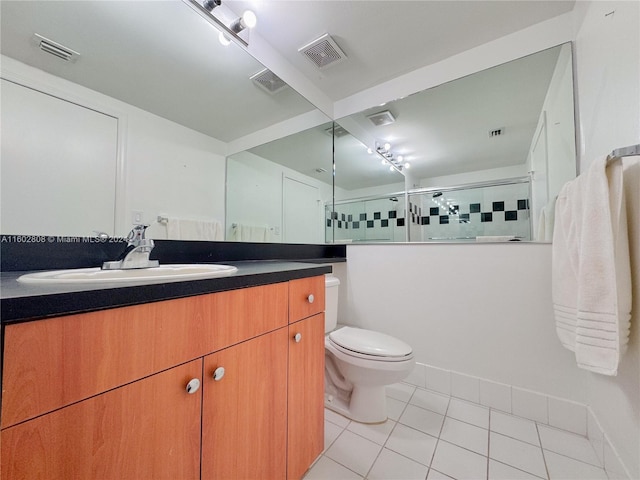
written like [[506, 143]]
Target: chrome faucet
[[136, 255]]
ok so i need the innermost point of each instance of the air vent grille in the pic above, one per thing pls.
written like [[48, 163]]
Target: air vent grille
[[56, 49], [336, 131], [323, 52], [268, 81], [381, 118]]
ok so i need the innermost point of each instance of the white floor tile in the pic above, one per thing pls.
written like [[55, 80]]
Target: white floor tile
[[395, 408], [377, 433], [435, 475], [354, 452], [500, 471], [326, 468], [469, 412], [515, 427], [412, 443], [392, 466], [516, 453], [400, 391], [331, 432], [565, 468], [568, 444], [430, 400], [458, 462], [336, 418], [465, 435], [424, 420]]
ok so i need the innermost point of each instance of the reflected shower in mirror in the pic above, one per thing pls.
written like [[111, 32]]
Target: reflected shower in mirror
[[513, 123], [120, 140]]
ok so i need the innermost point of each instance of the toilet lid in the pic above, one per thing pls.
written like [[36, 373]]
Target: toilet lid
[[369, 342]]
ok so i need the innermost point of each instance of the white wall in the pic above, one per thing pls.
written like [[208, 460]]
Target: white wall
[[163, 168], [255, 187], [483, 310], [608, 86]]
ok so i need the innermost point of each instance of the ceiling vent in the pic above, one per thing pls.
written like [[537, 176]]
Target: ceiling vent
[[268, 81], [496, 132], [323, 52], [56, 49], [382, 118], [336, 131]]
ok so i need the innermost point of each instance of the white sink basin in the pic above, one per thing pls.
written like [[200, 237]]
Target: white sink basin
[[161, 273]]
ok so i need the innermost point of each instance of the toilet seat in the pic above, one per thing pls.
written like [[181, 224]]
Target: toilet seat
[[361, 343]]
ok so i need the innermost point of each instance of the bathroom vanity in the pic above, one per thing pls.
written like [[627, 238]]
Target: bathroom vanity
[[224, 382]]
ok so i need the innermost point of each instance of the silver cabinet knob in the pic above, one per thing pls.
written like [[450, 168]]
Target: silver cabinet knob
[[218, 374], [297, 337], [311, 298], [193, 385]]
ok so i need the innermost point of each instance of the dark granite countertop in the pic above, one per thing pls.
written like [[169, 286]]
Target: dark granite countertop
[[22, 302]]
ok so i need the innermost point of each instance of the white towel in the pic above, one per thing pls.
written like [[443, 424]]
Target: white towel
[[591, 272], [249, 233], [184, 229]]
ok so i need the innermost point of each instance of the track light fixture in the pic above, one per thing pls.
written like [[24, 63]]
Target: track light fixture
[[220, 20], [395, 163]]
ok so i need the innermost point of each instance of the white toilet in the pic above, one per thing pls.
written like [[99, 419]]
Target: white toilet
[[359, 364]]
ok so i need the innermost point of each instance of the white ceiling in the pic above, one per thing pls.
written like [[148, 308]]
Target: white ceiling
[[387, 38], [164, 58]]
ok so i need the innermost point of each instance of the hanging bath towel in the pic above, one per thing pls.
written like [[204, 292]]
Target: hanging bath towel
[[591, 272]]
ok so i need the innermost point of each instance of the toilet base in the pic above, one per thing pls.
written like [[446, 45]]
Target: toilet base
[[364, 405]]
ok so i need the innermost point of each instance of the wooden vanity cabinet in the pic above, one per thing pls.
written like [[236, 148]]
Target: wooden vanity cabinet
[[103, 394]]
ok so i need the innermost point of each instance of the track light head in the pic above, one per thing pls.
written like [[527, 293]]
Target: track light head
[[247, 20], [211, 4]]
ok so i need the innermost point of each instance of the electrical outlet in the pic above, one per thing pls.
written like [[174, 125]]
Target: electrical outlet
[[137, 217]]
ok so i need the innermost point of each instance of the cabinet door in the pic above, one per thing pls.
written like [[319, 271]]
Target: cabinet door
[[306, 394], [147, 429], [244, 411]]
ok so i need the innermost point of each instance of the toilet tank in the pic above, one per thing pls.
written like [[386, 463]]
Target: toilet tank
[[331, 285]]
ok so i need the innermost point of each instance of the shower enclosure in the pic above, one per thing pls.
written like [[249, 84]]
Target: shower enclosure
[[493, 211]]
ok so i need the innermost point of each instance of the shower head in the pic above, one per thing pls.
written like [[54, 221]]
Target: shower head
[[436, 194]]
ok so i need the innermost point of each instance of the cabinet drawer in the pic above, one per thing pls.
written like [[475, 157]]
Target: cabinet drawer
[[55, 362], [306, 297]]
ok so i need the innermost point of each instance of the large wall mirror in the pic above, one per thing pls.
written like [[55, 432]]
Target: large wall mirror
[[134, 124], [478, 158]]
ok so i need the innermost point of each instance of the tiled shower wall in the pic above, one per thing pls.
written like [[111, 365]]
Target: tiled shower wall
[[460, 215]]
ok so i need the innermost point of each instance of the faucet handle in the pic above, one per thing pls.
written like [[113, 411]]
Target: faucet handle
[[136, 235]]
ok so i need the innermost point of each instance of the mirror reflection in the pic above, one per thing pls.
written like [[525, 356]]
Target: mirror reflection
[[104, 140], [512, 124], [276, 192]]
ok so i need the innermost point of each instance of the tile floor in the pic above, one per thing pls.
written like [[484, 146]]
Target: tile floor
[[432, 436]]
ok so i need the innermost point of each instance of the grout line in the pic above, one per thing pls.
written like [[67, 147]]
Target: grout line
[[488, 442], [517, 468], [544, 458]]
